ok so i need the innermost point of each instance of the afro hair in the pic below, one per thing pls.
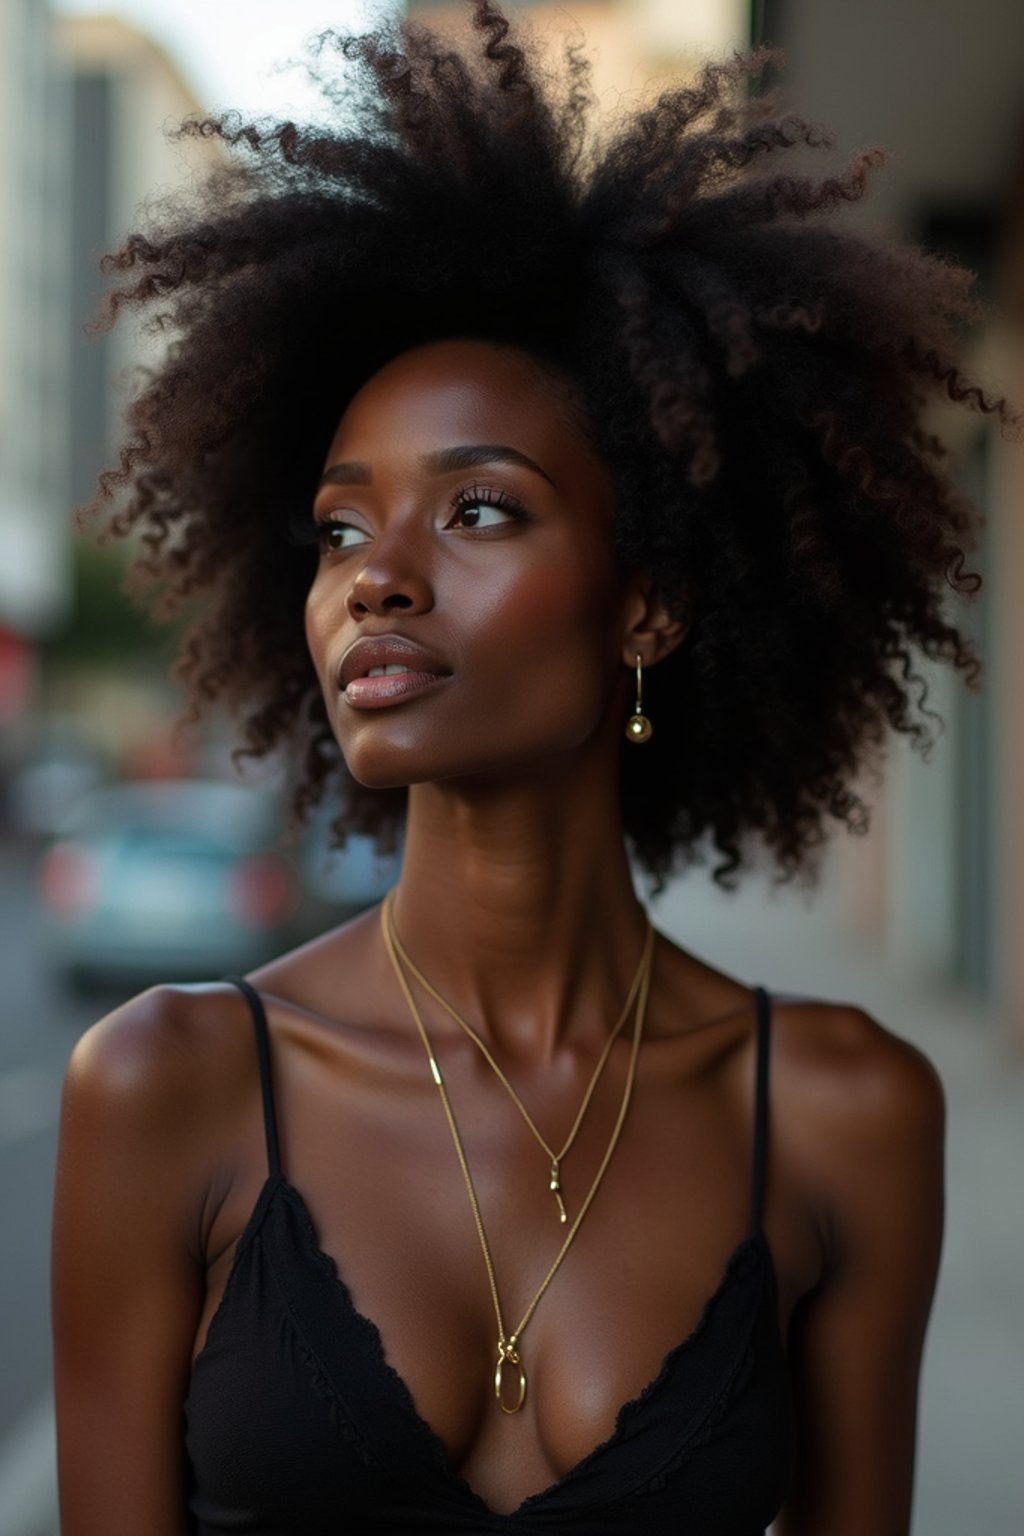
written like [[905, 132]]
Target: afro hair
[[755, 375]]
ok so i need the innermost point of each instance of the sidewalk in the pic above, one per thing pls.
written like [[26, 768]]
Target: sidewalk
[[970, 1461], [28, 1491]]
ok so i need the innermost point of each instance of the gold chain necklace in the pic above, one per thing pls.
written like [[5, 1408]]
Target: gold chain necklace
[[555, 1158], [509, 1352]]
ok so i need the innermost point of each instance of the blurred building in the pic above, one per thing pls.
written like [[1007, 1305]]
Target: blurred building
[[125, 93], [33, 343], [122, 94], [84, 103]]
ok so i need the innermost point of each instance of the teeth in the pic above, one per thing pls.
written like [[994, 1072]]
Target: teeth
[[389, 671]]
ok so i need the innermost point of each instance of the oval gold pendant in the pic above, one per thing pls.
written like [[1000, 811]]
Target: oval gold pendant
[[639, 728], [508, 1354]]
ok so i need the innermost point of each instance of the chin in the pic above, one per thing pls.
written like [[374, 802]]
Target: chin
[[395, 769], [376, 762]]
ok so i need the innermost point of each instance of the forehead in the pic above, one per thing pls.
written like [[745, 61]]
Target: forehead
[[458, 392]]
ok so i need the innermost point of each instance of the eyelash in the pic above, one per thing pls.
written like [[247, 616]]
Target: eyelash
[[313, 533], [482, 495]]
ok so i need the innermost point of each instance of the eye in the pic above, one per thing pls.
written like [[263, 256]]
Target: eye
[[327, 535], [484, 508], [332, 536]]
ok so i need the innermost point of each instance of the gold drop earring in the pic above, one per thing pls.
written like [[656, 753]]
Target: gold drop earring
[[638, 727]]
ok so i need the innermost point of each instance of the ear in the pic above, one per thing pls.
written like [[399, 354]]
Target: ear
[[652, 630]]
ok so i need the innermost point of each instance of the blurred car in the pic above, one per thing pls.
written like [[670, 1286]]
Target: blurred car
[[158, 880]]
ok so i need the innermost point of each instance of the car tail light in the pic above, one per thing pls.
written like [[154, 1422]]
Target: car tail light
[[67, 880], [261, 891]]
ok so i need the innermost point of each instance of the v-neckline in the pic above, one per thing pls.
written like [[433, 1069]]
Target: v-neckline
[[753, 1241]]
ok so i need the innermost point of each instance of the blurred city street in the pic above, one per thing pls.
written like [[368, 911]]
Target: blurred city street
[[39, 1026], [970, 1476]]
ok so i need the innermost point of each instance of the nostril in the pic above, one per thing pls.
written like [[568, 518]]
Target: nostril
[[376, 590]]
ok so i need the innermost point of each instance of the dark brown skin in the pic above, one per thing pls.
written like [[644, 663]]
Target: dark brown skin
[[516, 899]]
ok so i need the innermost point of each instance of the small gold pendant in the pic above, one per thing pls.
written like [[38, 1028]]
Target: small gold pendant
[[555, 1187], [508, 1354]]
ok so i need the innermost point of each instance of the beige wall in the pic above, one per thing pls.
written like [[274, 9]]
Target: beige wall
[[940, 82], [632, 43]]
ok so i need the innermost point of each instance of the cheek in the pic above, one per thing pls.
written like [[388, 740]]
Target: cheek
[[547, 646], [320, 625], [561, 603]]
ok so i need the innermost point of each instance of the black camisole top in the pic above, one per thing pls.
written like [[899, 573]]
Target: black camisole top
[[297, 1425]]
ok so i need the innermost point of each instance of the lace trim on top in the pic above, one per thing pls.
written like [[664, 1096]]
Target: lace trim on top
[[749, 1249]]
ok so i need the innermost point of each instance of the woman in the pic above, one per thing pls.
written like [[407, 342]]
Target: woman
[[487, 447]]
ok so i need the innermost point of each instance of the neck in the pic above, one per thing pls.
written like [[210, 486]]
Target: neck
[[517, 903]]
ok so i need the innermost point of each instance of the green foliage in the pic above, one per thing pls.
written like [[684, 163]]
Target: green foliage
[[105, 626]]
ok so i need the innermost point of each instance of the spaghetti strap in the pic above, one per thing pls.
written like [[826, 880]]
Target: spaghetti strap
[[259, 1019], [764, 1007]]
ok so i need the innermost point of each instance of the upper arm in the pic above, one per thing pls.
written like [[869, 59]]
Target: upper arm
[[856, 1340], [127, 1273]]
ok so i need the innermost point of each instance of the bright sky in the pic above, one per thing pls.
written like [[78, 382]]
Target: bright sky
[[228, 50]]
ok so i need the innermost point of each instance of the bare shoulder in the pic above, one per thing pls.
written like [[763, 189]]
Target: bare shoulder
[[835, 1069], [846, 1068], [164, 1060], [858, 1116]]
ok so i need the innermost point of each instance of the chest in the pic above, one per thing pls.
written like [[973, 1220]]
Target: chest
[[295, 1410], [386, 1199]]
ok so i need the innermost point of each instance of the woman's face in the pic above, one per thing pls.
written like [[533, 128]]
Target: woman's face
[[466, 522]]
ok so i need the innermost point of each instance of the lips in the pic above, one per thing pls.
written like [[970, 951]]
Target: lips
[[387, 651]]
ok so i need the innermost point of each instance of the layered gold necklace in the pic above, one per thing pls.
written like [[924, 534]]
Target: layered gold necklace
[[554, 1158], [509, 1352]]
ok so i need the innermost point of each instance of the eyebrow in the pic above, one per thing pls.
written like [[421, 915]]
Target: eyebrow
[[469, 456]]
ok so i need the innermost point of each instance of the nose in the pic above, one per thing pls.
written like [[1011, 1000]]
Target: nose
[[391, 580]]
